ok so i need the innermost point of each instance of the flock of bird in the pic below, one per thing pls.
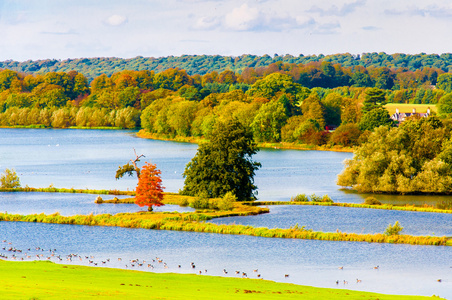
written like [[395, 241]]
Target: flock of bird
[[8, 252]]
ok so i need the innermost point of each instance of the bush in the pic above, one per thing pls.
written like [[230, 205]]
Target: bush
[[184, 202], [393, 229], [227, 202], [372, 201], [315, 198], [299, 198], [200, 202], [327, 199], [99, 200], [444, 204], [9, 179]]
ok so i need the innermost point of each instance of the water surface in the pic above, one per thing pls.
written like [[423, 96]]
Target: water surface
[[90, 158]]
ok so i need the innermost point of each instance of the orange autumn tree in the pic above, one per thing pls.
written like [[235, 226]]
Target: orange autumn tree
[[149, 190]]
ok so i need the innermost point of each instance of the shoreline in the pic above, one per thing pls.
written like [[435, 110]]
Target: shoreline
[[141, 133], [40, 279], [265, 145]]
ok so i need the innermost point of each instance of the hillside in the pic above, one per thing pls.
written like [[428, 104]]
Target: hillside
[[202, 64]]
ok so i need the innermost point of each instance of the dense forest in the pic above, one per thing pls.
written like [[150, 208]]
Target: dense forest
[[203, 64], [280, 102]]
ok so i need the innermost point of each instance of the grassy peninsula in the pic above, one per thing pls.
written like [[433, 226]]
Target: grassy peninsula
[[46, 280]]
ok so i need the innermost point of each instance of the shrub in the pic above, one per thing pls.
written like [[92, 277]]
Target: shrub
[[327, 199], [200, 202], [99, 200], [227, 202], [184, 202], [315, 198], [444, 204], [371, 200], [9, 179], [299, 198], [393, 229]]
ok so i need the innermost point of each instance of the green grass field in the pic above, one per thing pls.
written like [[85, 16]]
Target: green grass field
[[46, 280], [407, 108]]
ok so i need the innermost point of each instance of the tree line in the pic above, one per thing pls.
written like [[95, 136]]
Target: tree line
[[273, 101], [203, 64]]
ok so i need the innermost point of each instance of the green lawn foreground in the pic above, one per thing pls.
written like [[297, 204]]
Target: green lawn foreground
[[47, 280]]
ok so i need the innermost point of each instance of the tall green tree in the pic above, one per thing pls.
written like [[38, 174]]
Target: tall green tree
[[374, 98], [224, 164]]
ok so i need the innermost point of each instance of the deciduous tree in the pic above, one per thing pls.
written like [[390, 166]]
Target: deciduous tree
[[149, 191], [223, 164]]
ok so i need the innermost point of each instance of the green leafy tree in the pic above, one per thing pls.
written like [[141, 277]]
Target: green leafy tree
[[224, 164], [9, 179], [445, 82], [375, 118], [413, 158], [268, 122], [274, 84], [445, 104], [313, 109]]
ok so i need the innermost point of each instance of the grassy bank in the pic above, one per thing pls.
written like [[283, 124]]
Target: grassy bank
[[406, 207], [195, 222], [46, 280]]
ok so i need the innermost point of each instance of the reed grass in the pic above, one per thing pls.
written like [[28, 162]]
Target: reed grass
[[195, 222]]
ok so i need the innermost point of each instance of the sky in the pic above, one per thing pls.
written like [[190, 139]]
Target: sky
[[62, 29]]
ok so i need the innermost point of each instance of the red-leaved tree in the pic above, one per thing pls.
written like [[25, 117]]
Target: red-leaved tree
[[149, 190]]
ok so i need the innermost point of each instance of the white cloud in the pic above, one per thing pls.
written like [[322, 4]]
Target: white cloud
[[304, 21], [242, 18], [333, 10], [116, 20], [206, 23]]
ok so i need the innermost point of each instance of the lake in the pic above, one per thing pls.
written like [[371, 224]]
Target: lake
[[89, 159]]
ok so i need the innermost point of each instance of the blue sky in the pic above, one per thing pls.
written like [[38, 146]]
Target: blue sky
[[61, 29]]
